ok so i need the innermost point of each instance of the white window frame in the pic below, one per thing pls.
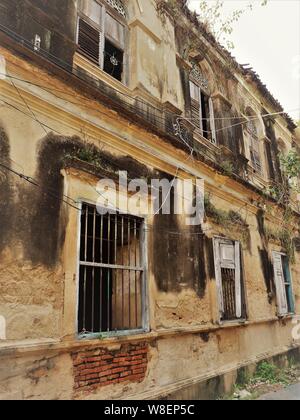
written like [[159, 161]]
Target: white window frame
[[211, 110], [235, 264]]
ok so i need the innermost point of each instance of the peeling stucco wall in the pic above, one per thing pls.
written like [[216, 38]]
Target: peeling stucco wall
[[39, 231]]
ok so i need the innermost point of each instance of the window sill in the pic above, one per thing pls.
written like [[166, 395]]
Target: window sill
[[36, 347], [110, 335], [286, 317], [205, 142], [84, 63]]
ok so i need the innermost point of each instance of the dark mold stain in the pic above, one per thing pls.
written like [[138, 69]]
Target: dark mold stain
[[46, 226], [6, 207], [210, 257], [266, 262], [54, 21], [205, 337], [48, 218], [178, 255]]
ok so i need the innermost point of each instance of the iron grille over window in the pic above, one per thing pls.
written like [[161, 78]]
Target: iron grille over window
[[111, 275], [229, 279]]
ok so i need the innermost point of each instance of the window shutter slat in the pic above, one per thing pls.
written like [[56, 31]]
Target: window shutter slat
[[89, 40], [279, 284], [288, 279], [218, 274], [195, 108], [212, 121], [238, 285]]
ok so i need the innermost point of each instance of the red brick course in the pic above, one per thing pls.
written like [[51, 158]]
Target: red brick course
[[99, 368]]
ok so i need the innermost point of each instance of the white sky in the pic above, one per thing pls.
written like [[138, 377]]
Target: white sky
[[268, 38]]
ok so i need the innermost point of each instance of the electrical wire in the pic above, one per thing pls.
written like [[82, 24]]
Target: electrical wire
[[178, 116], [50, 128], [33, 115], [36, 184]]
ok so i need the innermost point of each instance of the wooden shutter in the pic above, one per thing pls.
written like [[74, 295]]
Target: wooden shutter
[[238, 283], [212, 121], [89, 40], [196, 106], [218, 274], [288, 280], [227, 256], [282, 303]]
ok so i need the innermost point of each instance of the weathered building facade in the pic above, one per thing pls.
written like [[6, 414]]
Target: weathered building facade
[[128, 306]]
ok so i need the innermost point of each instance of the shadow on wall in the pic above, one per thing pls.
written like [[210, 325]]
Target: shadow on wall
[[180, 255], [6, 208]]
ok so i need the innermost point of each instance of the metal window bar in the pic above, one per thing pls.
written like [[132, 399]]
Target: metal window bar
[[111, 273], [228, 285]]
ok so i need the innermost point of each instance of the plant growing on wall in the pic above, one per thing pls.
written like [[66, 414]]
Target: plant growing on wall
[[282, 192], [210, 13], [228, 220]]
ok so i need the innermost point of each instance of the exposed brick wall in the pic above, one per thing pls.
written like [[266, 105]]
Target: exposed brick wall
[[101, 367]]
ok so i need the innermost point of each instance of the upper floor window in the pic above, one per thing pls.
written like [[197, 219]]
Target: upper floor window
[[254, 146], [101, 34], [202, 107]]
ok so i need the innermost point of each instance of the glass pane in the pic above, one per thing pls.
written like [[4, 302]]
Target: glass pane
[[114, 29], [92, 9]]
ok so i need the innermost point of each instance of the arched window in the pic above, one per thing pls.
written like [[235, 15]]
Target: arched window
[[202, 106], [252, 134], [101, 34]]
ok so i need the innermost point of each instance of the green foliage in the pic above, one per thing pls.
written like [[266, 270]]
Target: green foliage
[[212, 16], [269, 373], [290, 164], [227, 168], [226, 219], [284, 236], [89, 155]]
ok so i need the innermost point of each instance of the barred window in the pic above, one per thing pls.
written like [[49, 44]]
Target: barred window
[[111, 274], [229, 279]]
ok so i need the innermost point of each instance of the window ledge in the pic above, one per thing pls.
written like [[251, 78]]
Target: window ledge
[[205, 142], [20, 348], [94, 70]]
